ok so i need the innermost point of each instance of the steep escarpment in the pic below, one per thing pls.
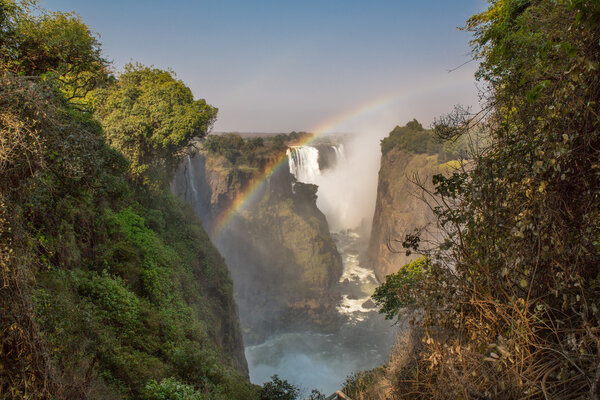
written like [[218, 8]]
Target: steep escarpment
[[410, 158], [399, 208], [277, 245], [109, 286]]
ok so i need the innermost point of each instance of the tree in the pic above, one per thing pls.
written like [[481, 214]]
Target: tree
[[54, 45], [151, 117], [400, 289], [279, 389]]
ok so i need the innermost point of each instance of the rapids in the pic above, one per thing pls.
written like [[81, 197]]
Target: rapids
[[323, 361]]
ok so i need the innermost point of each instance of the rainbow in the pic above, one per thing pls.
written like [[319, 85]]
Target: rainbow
[[326, 127]]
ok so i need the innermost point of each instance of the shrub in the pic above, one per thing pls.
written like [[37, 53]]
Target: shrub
[[278, 389], [401, 289], [171, 389]]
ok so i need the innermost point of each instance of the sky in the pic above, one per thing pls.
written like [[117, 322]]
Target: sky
[[282, 66]]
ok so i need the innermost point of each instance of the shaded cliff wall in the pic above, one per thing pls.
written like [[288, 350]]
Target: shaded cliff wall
[[282, 258]]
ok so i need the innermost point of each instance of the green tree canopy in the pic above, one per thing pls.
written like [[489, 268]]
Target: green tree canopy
[[55, 45], [279, 389], [150, 116]]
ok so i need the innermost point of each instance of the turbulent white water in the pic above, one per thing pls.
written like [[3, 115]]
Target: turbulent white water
[[323, 361], [355, 303], [304, 163]]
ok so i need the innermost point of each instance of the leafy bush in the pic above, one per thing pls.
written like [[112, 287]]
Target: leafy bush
[[171, 389], [114, 301], [279, 389], [400, 290], [510, 296]]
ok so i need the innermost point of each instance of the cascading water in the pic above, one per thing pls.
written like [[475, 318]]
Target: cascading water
[[362, 338], [323, 361], [339, 153], [304, 163], [191, 179]]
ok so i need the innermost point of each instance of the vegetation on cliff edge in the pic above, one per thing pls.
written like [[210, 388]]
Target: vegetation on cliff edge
[[110, 288], [413, 138], [510, 296]]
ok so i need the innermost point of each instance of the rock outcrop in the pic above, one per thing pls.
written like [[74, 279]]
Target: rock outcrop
[[282, 258], [401, 207]]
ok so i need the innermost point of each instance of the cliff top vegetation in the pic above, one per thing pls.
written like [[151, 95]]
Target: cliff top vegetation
[[414, 138], [251, 152], [110, 288], [509, 297]]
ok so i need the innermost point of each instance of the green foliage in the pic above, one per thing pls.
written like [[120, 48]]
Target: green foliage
[[171, 389], [316, 395], [401, 289], [151, 117], [153, 256], [118, 304], [57, 46], [414, 138], [362, 385], [279, 389], [229, 145], [411, 137], [510, 299], [106, 288], [252, 153]]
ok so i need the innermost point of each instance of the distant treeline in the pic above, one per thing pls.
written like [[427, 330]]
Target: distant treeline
[[251, 152], [415, 139]]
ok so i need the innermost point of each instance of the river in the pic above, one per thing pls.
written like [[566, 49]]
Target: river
[[324, 361]]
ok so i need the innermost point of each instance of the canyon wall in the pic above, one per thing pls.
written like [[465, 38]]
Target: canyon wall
[[282, 258], [411, 156]]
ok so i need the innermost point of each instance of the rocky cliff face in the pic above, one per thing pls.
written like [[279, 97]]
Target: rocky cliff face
[[282, 258], [399, 209], [411, 156]]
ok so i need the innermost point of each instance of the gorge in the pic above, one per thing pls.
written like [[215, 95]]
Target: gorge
[[143, 256], [299, 281]]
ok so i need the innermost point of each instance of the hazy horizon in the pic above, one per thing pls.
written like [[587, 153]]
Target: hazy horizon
[[272, 66]]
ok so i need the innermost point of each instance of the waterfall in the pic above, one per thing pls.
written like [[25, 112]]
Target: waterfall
[[339, 153], [192, 181], [304, 163]]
